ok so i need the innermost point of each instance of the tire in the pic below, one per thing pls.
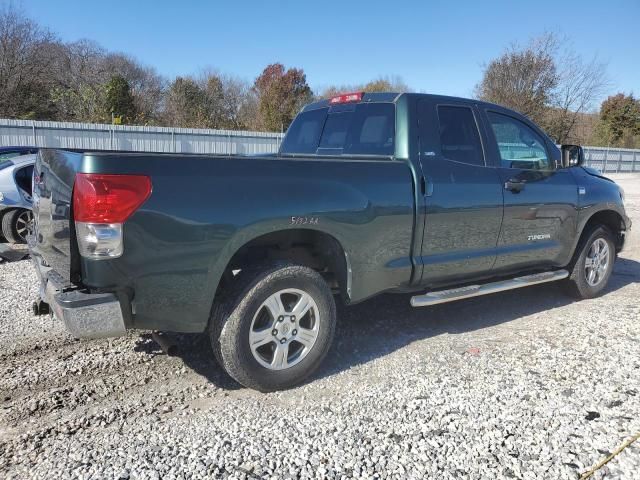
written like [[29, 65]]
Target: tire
[[2, 237], [291, 347], [580, 284], [14, 225]]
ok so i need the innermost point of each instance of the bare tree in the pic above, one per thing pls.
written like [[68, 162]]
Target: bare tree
[[210, 100], [547, 81], [226, 98], [249, 112], [238, 97], [83, 69], [580, 85], [79, 93], [26, 55]]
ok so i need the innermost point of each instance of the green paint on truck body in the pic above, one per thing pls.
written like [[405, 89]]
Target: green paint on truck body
[[411, 221]]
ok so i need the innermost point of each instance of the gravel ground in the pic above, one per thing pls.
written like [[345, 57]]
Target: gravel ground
[[524, 384]]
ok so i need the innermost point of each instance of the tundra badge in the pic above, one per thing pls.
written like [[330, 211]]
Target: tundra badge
[[540, 236]]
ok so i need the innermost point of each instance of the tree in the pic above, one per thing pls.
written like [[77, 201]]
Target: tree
[[83, 68], [281, 93], [238, 99], [211, 100], [225, 96], [249, 111], [27, 52], [580, 85], [546, 81], [147, 87], [522, 78], [118, 100], [186, 104], [620, 121], [79, 93]]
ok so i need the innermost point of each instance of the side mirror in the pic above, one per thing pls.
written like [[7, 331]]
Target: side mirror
[[572, 155]]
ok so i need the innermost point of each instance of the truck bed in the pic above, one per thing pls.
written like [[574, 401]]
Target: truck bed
[[203, 209]]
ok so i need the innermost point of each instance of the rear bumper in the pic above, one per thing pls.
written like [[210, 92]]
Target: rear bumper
[[85, 315]]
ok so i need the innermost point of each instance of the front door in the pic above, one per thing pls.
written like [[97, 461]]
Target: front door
[[463, 196], [540, 200]]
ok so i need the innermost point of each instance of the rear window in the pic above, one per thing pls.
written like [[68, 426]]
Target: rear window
[[349, 129]]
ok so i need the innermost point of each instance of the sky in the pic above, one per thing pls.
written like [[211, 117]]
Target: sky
[[434, 46]]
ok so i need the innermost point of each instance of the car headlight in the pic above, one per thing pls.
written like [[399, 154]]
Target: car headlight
[[621, 193]]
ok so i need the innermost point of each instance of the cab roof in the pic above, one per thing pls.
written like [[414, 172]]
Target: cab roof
[[392, 97]]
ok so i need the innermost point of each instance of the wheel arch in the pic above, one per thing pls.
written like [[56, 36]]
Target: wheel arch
[[310, 247], [609, 218]]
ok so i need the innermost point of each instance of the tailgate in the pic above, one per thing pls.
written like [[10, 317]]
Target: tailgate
[[53, 179]]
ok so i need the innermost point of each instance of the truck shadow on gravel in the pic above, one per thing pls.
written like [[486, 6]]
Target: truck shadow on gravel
[[195, 351], [387, 323]]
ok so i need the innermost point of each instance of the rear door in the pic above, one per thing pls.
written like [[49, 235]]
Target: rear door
[[463, 196], [540, 200]]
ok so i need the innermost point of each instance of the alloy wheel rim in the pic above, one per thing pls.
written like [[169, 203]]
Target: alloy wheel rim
[[23, 223], [597, 262], [284, 329]]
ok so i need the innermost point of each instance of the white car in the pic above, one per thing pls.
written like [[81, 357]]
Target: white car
[[15, 196]]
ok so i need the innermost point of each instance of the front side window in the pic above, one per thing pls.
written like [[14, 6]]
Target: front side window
[[519, 145], [355, 129], [459, 137]]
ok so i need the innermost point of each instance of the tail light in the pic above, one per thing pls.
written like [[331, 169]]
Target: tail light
[[101, 204]]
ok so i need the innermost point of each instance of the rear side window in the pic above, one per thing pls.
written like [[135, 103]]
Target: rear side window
[[357, 129], [304, 134], [459, 137], [23, 178]]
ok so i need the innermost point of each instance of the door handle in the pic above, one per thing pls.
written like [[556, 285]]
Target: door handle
[[514, 185]]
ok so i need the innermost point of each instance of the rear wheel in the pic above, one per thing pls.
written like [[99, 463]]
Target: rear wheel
[[15, 225], [276, 328], [593, 265]]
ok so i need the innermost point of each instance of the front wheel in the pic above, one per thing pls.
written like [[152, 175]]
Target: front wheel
[[275, 328], [593, 265]]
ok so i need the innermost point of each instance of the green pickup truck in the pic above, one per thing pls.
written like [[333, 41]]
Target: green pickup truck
[[443, 197]]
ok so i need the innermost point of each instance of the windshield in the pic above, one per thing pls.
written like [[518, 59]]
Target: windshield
[[8, 155], [349, 129]]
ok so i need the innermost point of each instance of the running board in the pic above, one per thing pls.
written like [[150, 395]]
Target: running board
[[444, 296]]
